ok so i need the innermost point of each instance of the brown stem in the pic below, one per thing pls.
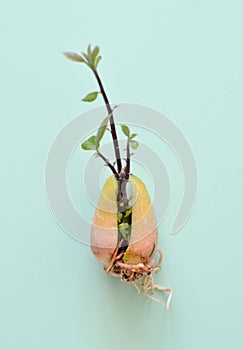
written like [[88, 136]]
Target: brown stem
[[127, 173], [112, 123], [108, 164]]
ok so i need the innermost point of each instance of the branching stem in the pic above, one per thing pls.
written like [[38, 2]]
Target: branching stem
[[108, 164]]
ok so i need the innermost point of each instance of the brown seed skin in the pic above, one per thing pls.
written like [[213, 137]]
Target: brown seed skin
[[144, 233]]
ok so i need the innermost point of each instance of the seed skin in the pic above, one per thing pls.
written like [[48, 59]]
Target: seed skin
[[104, 233], [144, 233]]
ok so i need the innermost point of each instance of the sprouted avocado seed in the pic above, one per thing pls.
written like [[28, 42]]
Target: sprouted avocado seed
[[124, 233]]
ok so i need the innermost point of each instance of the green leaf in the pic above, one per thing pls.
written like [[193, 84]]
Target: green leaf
[[103, 127], [89, 50], [73, 56], [86, 56], [90, 97], [125, 130], [98, 59], [101, 131], [132, 136], [123, 229], [123, 225], [95, 53], [89, 144], [119, 216], [133, 144], [128, 212]]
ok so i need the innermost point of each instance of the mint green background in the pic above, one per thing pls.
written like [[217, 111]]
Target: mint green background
[[183, 58]]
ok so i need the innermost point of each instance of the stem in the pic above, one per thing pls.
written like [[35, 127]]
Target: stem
[[112, 123], [122, 201], [108, 164], [122, 196], [127, 173]]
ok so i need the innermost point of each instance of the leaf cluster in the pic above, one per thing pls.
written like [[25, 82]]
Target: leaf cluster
[[126, 131], [91, 58]]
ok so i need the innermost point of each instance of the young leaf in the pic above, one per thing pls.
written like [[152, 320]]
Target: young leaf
[[86, 56], [132, 136], [73, 56], [125, 130], [95, 53], [128, 212], [90, 97], [89, 144], [119, 216], [103, 127], [101, 131], [97, 61], [133, 144], [123, 227]]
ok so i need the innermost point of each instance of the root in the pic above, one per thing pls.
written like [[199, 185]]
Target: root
[[131, 267], [153, 298], [119, 256], [114, 256], [135, 286], [160, 259], [140, 276], [162, 289]]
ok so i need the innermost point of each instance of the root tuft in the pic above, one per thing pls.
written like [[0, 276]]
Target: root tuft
[[140, 276]]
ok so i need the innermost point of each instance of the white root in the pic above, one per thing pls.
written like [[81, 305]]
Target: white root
[[163, 289], [114, 256], [135, 286], [160, 259], [140, 273]]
